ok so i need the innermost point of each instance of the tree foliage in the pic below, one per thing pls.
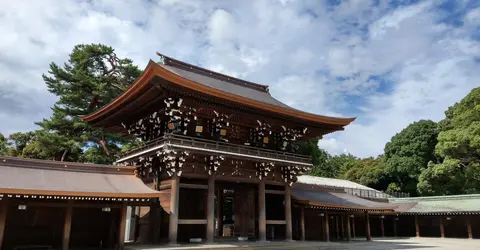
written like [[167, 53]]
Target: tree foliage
[[369, 172], [92, 77], [459, 149], [3, 145], [408, 153]]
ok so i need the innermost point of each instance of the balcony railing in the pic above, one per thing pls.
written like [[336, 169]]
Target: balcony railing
[[199, 144], [374, 194]]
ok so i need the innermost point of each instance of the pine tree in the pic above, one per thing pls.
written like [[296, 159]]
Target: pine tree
[[92, 78]]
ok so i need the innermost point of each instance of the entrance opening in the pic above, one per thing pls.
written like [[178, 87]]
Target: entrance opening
[[34, 226], [236, 211]]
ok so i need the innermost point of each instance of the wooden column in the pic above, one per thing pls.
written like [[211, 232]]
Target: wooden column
[[442, 230], [155, 222], [174, 198], [326, 228], [122, 224], [288, 213], [342, 227], [67, 226], [262, 216], [353, 227], [382, 228], [349, 237], [220, 212], [337, 231], [367, 226], [302, 223], [417, 228], [3, 218], [469, 228], [211, 208], [395, 226]]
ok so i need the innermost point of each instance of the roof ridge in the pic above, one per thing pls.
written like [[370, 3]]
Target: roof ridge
[[438, 197], [9, 161], [166, 60]]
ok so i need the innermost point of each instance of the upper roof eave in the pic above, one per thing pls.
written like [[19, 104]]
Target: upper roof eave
[[153, 69]]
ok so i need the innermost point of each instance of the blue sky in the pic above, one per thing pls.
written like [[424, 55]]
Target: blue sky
[[389, 63]]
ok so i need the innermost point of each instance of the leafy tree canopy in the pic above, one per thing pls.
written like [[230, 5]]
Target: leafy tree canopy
[[459, 148], [408, 153], [92, 77], [3, 145]]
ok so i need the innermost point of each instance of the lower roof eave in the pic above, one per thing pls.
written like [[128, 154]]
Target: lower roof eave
[[316, 205], [442, 213], [58, 194]]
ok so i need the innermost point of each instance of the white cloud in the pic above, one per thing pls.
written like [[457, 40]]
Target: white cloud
[[388, 65]]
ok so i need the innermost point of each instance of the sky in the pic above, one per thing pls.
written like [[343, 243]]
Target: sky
[[388, 63]]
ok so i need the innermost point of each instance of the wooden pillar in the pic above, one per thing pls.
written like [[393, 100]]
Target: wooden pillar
[[3, 218], [353, 227], [417, 228], [220, 212], [349, 237], [326, 228], [211, 208], [262, 216], [469, 228], [367, 226], [67, 226], [337, 231], [288, 213], [442, 230], [174, 199], [382, 228], [395, 226], [122, 224], [302, 223], [154, 222], [342, 227]]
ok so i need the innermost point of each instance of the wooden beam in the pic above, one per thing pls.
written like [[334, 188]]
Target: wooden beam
[[349, 237], [192, 222], [275, 222], [367, 227], [417, 228], [342, 227], [280, 192], [326, 228], [469, 227], [67, 226], [194, 186], [122, 225], [288, 213], [220, 212], [302, 223], [395, 226], [174, 199], [442, 229], [3, 218], [382, 228], [211, 208], [262, 217], [353, 227], [337, 230]]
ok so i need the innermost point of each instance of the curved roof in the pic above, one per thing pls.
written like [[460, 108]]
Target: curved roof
[[40, 177], [439, 204], [213, 84], [338, 200]]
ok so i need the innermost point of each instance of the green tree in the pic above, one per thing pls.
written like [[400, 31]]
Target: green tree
[[369, 172], [409, 152], [92, 77], [458, 148], [3, 145], [18, 141]]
